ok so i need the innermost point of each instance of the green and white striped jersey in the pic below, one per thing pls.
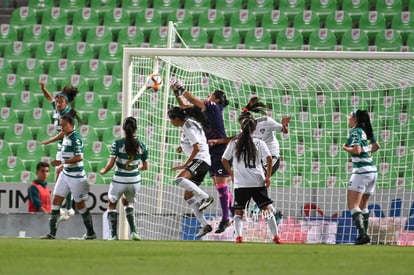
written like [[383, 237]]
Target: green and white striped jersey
[[362, 163], [72, 145]]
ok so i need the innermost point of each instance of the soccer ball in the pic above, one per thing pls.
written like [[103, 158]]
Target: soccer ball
[[154, 82]]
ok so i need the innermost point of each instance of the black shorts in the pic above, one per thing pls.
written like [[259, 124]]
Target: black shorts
[[243, 195], [198, 169], [217, 168]]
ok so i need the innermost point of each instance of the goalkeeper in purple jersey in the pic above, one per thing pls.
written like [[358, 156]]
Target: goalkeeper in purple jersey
[[360, 144], [212, 108]]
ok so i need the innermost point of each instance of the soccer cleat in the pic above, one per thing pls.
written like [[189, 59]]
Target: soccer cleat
[[222, 226], [89, 237], [113, 238], [362, 240], [204, 230], [205, 203], [239, 239], [135, 236], [277, 240], [47, 237]]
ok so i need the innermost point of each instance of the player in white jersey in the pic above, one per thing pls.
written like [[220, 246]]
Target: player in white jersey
[[360, 144], [193, 143], [249, 179], [71, 179], [130, 156]]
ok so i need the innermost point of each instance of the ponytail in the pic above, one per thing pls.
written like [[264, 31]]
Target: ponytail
[[245, 146], [131, 144], [364, 122]]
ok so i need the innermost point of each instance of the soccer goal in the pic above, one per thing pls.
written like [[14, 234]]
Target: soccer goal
[[317, 90]]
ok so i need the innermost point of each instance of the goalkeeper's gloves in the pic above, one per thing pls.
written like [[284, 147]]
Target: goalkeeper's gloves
[[177, 87]]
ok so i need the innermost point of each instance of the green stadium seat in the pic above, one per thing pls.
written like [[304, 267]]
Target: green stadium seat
[[5, 150], [389, 9], [67, 36], [101, 120], [229, 7], [16, 52], [71, 7], [85, 20], [111, 54], [99, 37], [322, 40], [87, 103], [7, 36], [5, 68], [17, 134], [21, 19], [306, 22], [197, 7], [31, 151], [10, 85], [158, 37], [113, 133], [107, 86], [195, 37], [133, 7], [211, 21], [93, 70], [35, 36], [166, 7], [403, 23], [242, 22], [108, 176], [47, 53], [40, 7], [116, 20], [260, 7], [96, 151], [48, 131], [131, 36], [226, 38], [29, 69], [355, 40], [23, 102], [79, 82], [60, 71], [36, 119], [258, 39], [274, 21], [114, 103], [372, 23], [410, 42], [7, 117], [290, 39], [10, 166], [117, 71], [182, 20], [88, 134], [53, 19], [34, 87], [95, 178], [25, 177], [103, 7], [338, 22], [355, 9], [292, 8], [388, 40], [78, 53], [148, 20], [323, 8]]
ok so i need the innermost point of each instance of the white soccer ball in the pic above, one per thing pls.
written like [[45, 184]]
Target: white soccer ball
[[154, 82]]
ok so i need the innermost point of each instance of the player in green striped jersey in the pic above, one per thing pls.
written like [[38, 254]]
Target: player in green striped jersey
[[360, 144], [130, 155]]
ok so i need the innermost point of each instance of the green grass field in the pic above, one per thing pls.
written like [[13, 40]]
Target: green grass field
[[34, 256]]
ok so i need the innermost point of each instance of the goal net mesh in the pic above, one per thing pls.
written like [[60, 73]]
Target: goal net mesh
[[309, 189]]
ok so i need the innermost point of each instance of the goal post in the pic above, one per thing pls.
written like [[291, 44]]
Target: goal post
[[318, 90]]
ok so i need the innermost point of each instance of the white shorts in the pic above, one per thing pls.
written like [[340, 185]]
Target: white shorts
[[117, 189], [363, 183], [78, 186]]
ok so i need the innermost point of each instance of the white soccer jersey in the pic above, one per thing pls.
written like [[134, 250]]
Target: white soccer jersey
[[192, 133], [253, 174], [264, 131]]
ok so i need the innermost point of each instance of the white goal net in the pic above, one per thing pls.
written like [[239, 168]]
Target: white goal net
[[317, 90]]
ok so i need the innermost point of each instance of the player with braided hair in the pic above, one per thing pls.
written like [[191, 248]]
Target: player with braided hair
[[130, 156], [361, 144], [250, 180]]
